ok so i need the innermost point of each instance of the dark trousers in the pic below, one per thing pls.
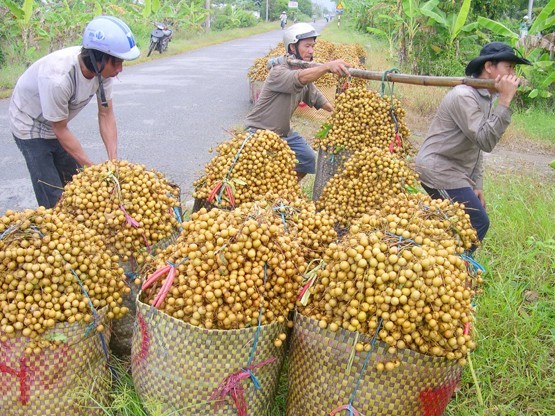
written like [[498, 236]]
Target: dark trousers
[[50, 167], [473, 207]]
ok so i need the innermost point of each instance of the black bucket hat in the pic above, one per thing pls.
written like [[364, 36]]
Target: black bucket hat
[[495, 51]]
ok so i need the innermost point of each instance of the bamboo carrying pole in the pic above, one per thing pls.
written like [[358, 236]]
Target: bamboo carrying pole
[[425, 80]]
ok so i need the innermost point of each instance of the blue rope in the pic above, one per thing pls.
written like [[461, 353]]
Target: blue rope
[[257, 334], [178, 216], [281, 205], [239, 153], [475, 265], [11, 227], [363, 369], [91, 326]]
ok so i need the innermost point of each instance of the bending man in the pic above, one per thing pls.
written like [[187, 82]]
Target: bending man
[[54, 90]]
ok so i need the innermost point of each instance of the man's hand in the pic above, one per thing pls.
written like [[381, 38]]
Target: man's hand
[[506, 85], [480, 195], [338, 67]]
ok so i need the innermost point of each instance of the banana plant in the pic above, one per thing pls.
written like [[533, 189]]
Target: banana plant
[[23, 17], [150, 7], [453, 23], [544, 67]]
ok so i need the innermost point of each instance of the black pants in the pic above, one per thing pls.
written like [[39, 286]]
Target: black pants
[[473, 207], [50, 167]]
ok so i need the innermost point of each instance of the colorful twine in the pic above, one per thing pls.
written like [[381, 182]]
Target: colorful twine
[[22, 375], [349, 406], [231, 385]]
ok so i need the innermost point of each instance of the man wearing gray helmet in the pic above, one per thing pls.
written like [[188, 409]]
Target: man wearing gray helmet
[[54, 90], [286, 86]]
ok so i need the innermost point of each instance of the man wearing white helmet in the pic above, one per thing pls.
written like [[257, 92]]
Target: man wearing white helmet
[[286, 86], [53, 90]]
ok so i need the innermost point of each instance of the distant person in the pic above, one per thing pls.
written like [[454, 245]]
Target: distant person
[[283, 19], [467, 124], [53, 90], [286, 86]]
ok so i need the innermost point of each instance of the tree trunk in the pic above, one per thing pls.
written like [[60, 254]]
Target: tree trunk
[[207, 21]]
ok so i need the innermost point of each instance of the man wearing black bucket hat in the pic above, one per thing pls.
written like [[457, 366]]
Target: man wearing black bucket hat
[[450, 161]]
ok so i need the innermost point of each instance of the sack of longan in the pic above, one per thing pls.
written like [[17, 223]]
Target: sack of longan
[[397, 286], [214, 305], [131, 207], [59, 289], [368, 179], [248, 166], [135, 210]]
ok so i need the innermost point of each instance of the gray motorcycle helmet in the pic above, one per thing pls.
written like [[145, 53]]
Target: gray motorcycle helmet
[[297, 32]]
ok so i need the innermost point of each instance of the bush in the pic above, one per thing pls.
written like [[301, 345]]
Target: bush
[[231, 18]]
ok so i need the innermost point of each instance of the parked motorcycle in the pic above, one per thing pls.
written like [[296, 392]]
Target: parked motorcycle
[[159, 38]]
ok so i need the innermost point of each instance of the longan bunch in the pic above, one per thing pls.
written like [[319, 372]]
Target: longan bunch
[[368, 179], [362, 118], [415, 296], [228, 265], [131, 207], [45, 257], [314, 229], [248, 166], [428, 222], [351, 53], [324, 51]]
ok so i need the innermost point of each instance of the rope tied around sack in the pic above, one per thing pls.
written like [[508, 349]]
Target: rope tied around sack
[[397, 141], [231, 385], [96, 319], [226, 184], [349, 406], [169, 273], [22, 374]]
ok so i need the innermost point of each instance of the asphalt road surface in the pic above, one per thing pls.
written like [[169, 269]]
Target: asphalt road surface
[[169, 112]]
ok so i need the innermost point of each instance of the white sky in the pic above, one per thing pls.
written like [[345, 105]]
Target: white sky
[[326, 3]]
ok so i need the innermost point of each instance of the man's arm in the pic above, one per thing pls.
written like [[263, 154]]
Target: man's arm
[[70, 143], [337, 67], [108, 129]]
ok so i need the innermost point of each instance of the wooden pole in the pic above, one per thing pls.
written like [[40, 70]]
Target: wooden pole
[[425, 80]]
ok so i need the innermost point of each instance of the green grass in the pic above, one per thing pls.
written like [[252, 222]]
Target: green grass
[[515, 320], [536, 124]]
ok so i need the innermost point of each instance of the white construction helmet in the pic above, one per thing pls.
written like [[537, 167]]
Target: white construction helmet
[[297, 32], [112, 36]]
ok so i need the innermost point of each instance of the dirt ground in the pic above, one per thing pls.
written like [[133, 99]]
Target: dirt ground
[[513, 154]]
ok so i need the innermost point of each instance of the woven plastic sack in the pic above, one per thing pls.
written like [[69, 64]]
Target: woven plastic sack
[[68, 380], [176, 366], [327, 165], [255, 86], [312, 113], [320, 383], [122, 329]]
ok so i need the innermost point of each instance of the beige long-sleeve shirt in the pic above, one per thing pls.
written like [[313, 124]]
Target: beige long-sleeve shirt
[[281, 94], [465, 125]]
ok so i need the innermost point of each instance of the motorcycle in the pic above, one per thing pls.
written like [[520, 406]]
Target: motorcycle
[[159, 38]]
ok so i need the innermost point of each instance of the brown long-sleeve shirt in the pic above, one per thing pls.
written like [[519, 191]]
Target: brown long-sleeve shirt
[[465, 125], [281, 94]]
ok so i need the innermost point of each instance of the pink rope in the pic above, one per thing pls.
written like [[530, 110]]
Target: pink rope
[[232, 386], [348, 407], [22, 376]]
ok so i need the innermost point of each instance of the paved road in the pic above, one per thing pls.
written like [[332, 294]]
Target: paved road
[[169, 111]]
